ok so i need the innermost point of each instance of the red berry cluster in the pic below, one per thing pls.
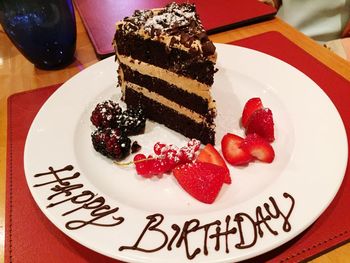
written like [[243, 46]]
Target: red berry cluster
[[259, 128], [165, 158]]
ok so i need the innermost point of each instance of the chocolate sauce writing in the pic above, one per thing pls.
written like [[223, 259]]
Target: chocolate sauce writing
[[240, 225], [239, 230], [83, 199]]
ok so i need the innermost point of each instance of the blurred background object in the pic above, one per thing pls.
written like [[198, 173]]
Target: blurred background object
[[44, 31]]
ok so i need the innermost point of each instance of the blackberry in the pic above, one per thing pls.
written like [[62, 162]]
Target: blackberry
[[109, 114], [111, 143], [132, 121], [135, 147], [105, 113]]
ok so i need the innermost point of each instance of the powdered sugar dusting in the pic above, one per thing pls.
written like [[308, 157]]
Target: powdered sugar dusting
[[176, 154], [173, 16], [170, 20]]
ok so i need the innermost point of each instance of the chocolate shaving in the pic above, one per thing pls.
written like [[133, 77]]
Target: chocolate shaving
[[173, 41], [208, 48]]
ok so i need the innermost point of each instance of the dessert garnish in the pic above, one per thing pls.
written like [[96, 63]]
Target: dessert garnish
[[210, 155], [200, 172], [105, 113], [201, 175], [135, 147], [132, 121], [250, 107], [165, 158], [203, 181], [258, 119], [232, 151], [258, 147], [261, 123], [111, 143], [113, 128], [241, 151], [109, 114], [259, 129]]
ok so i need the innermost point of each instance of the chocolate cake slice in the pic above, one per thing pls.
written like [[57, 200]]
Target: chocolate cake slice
[[167, 64]]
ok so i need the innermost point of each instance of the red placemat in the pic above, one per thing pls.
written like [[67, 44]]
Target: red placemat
[[30, 237], [99, 17]]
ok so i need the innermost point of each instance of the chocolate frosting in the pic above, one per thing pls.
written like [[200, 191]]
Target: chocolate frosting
[[173, 20]]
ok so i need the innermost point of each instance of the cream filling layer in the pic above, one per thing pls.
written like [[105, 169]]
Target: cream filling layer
[[186, 84], [168, 103]]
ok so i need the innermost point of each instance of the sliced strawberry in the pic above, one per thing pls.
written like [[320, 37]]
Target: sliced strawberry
[[261, 123], [230, 145], [250, 107], [258, 147], [210, 155], [201, 180]]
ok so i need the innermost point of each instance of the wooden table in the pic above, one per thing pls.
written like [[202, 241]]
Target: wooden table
[[17, 74]]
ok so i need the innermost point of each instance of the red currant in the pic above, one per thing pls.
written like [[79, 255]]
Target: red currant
[[142, 165], [158, 148], [194, 144], [167, 157]]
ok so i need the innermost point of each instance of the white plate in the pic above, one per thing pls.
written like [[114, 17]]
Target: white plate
[[149, 214]]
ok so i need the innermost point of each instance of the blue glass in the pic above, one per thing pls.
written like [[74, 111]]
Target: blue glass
[[44, 31]]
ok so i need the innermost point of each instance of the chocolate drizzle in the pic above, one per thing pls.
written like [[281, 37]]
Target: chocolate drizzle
[[84, 200], [237, 230], [239, 226]]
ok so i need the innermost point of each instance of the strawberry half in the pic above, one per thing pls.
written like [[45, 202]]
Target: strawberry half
[[258, 147], [250, 107], [210, 155], [203, 181], [231, 149], [261, 123]]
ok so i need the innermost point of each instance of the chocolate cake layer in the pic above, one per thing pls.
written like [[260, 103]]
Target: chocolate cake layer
[[170, 118], [167, 90], [189, 64]]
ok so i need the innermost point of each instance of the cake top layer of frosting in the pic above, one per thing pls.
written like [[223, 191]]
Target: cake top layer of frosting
[[179, 22]]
